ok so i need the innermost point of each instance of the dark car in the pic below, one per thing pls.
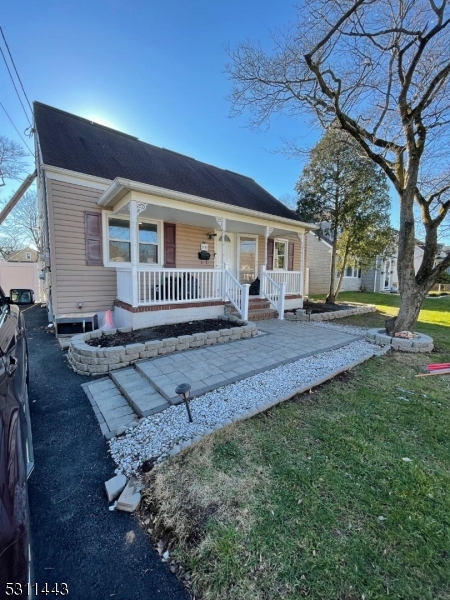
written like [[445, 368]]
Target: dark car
[[16, 453]]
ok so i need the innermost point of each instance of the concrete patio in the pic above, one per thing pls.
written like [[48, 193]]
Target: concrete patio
[[149, 387]]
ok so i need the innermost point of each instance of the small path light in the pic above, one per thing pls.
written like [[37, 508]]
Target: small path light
[[183, 391]]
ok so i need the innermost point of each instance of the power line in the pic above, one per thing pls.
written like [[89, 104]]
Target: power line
[[15, 69], [17, 92], [32, 153]]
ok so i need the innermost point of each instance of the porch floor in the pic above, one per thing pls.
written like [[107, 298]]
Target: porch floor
[[207, 369]]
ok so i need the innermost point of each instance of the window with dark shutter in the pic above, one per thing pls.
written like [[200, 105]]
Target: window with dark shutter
[[93, 232]]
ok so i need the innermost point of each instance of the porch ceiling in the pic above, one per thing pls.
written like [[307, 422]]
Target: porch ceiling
[[174, 215]]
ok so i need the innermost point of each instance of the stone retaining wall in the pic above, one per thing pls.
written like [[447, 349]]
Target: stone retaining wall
[[338, 314], [89, 360], [421, 343]]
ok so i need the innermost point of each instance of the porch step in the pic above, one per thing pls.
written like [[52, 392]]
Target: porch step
[[139, 392], [262, 313]]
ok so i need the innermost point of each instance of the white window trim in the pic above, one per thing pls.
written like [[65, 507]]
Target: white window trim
[[286, 254], [27, 255], [238, 252], [352, 276], [107, 214]]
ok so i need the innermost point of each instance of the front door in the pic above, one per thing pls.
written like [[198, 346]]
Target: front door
[[229, 249], [248, 245]]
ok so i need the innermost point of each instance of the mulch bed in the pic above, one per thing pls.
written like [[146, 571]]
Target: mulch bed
[[161, 332], [323, 307]]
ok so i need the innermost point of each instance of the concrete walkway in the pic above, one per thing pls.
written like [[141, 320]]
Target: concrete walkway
[[149, 386]]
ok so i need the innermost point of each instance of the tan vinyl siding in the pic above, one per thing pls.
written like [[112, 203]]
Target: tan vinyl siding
[[189, 239], [319, 263], [72, 280]]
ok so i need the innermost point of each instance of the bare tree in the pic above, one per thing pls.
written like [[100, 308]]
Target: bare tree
[[289, 200], [381, 69], [12, 160], [21, 228]]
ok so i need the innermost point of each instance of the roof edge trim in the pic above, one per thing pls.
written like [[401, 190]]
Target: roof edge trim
[[120, 185]]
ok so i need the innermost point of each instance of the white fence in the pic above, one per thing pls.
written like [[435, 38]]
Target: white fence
[[22, 275]]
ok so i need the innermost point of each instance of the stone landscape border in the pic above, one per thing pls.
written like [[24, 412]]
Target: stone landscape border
[[359, 309], [420, 343], [89, 360]]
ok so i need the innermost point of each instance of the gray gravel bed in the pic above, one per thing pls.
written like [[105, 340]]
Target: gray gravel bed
[[158, 435], [353, 329]]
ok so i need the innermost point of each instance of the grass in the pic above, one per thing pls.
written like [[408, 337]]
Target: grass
[[315, 498]]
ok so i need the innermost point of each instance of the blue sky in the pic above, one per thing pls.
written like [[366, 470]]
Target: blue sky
[[154, 70]]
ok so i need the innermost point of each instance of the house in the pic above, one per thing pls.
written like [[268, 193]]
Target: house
[[25, 255], [156, 235], [383, 277], [319, 267]]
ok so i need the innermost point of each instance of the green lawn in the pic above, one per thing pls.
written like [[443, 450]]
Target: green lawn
[[314, 498]]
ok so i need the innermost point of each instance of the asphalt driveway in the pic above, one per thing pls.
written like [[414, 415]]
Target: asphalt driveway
[[76, 540]]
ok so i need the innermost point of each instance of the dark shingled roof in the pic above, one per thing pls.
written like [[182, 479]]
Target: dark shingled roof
[[77, 144]]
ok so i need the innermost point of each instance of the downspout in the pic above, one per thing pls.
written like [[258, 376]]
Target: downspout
[[375, 278], [43, 211]]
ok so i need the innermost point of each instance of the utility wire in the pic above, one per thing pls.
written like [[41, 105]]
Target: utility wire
[[32, 153], [15, 69], [17, 91]]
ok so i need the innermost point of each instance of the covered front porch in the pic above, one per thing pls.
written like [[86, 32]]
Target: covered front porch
[[170, 255]]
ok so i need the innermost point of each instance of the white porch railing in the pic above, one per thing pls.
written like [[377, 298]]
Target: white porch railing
[[273, 291], [237, 293], [147, 286], [292, 279], [178, 286]]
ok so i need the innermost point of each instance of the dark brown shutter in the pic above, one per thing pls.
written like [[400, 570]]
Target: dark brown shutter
[[170, 245], [291, 247], [93, 232], [269, 265]]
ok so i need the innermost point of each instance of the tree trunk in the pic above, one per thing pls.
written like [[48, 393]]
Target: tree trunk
[[331, 293], [341, 275], [411, 302], [411, 293]]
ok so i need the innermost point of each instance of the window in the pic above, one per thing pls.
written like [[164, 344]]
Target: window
[[280, 254], [119, 240], [148, 243], [352, 272], [27, 255]]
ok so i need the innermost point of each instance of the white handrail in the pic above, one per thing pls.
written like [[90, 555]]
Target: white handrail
[[237, 293], [273, 291], [292, 279]]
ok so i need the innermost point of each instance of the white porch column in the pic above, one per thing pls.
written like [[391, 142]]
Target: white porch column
[[135, 209], [262, 279], [222, 222], [302, 263]]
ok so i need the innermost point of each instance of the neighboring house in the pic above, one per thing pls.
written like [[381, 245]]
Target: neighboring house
[[25, 255], [443, 251], [160, 236], [319, 265], [384, 276]]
